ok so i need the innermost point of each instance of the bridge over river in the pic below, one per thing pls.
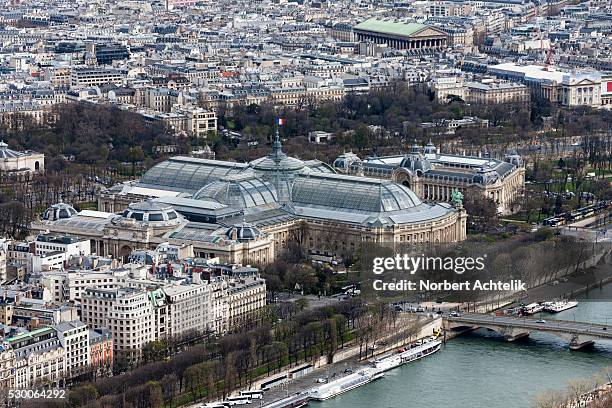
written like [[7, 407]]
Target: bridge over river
[[577, 334]]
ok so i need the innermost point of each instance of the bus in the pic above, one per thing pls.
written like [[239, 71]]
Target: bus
[[238, 400], [252, 394]]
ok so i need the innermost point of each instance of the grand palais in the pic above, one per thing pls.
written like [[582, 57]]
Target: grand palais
[[248, 212]]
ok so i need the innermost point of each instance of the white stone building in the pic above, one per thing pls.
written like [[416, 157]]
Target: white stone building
[[20, 162]]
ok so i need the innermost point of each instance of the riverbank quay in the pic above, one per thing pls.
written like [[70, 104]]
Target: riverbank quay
[[347, 361], [285, 385]]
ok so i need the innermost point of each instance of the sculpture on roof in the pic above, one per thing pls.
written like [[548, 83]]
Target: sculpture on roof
[[457, 199]]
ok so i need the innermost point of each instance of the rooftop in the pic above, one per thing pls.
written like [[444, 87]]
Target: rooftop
[[389, 27]]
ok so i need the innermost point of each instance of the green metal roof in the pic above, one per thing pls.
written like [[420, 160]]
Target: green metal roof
[[30, 334], [389, 27]]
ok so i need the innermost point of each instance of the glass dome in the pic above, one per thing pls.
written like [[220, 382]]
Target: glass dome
[[238, 193], [345, 160], [485, 176], [277, 160], [152, 212], [416, 163], [243, 232], [59, 211], [513, 157], [430, 149]]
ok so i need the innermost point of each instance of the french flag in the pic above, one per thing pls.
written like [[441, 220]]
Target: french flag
[[280, 121]]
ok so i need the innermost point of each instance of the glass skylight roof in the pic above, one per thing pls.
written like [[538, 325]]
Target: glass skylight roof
[[188, 174], [353, 194]]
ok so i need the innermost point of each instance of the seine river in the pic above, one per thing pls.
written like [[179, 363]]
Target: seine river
[[480, 370]]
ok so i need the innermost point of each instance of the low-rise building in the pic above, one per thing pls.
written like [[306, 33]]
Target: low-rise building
[[18, 163]]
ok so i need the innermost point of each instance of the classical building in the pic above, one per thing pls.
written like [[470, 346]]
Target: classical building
[[18, 163], [492, 92], [40, 358], [248, 212], [435, 176], [564, 88], [402, 36]]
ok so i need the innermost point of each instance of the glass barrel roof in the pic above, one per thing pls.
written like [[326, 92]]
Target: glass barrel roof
[[188, 174], [352, 193]]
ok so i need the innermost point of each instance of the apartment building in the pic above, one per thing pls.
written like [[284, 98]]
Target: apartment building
[[58, 76], [244, 297], [14, 113], [3, 256], [128, 314], [83, 77], [188, 309], [71, 245], [157, 99], [69, 286], [74, 338], [445, 86], [7, 368], [40, 358], [196, 121]]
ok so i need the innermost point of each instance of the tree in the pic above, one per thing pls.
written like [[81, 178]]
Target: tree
[[549, 399], [82, 395], [135, 154], [169, 384], [482, 210]]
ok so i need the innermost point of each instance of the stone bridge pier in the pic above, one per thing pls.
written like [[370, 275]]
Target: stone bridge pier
[[510, 333], [577, 341]]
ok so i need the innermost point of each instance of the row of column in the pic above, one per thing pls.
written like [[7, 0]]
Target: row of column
[[446, 234], [439, 193], [510, 189], [405, 44]]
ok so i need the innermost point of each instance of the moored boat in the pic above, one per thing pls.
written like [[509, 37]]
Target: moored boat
[[406, 356], [559, 306], [344, 384], [533, 308]]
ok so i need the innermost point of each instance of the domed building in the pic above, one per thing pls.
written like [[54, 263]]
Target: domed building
[[249, 212], [434, 176]]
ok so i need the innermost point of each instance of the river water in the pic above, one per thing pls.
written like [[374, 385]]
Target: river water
[[481, 370]]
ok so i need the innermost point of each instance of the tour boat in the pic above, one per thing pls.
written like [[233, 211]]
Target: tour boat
[[533, 308], [344, 384], [407, 356], [559, 306]]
